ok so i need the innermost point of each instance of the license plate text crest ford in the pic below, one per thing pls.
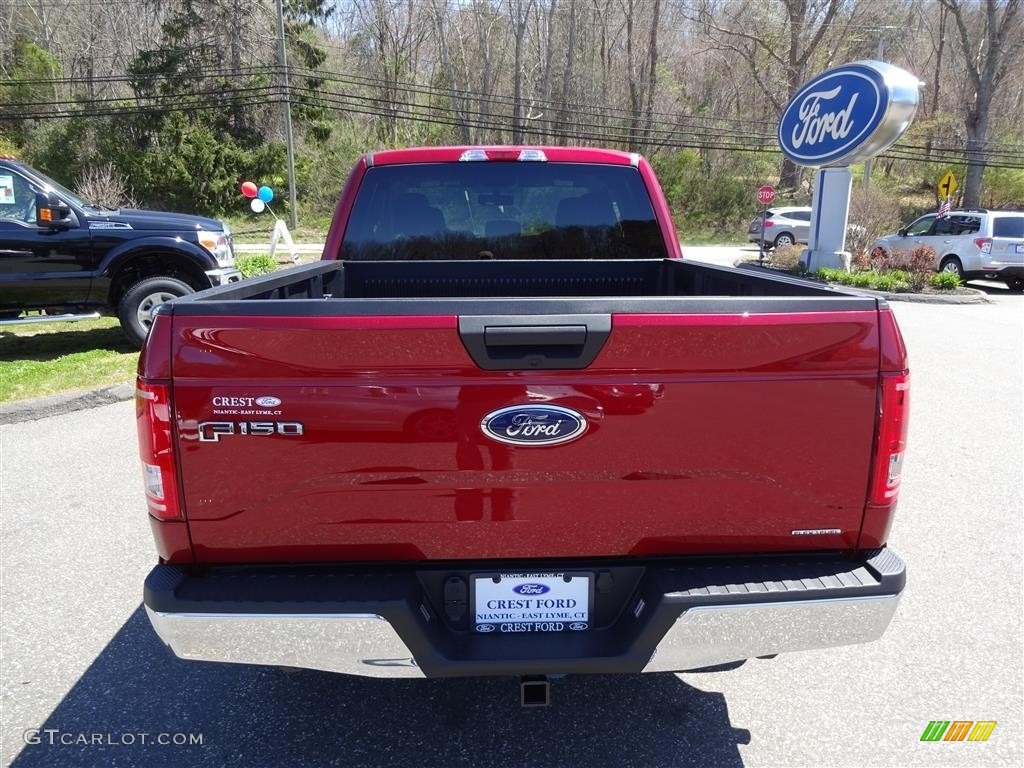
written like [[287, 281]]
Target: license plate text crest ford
[[531, 602]]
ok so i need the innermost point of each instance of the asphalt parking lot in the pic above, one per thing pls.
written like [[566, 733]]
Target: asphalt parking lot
[[79, 658]]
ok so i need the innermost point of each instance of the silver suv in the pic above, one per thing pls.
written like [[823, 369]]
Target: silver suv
[[783, 226], [972, 243]]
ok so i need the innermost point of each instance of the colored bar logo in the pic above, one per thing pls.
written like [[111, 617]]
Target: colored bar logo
[[958, 730]]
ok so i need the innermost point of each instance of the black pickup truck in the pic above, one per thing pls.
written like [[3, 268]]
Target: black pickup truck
[[64, 256]]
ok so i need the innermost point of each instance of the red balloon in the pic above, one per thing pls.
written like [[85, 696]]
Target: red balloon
[[249, 189]]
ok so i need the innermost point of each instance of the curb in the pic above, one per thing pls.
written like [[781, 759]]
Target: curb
[[974, 297], [55, 405]]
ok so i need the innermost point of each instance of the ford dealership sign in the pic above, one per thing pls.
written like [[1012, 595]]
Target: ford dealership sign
[[849, 113]]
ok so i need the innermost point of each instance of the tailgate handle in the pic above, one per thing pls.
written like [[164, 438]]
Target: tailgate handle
[[539, 342], [526, 335]]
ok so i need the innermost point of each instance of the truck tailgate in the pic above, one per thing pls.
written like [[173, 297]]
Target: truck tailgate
[[358, 438]]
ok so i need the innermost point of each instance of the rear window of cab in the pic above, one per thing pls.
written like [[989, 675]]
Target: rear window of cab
[[502, 210]]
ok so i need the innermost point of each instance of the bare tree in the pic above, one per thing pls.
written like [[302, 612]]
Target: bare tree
[[519, 12], [458, 104], [991, 39], [394, 35], [760, 35]]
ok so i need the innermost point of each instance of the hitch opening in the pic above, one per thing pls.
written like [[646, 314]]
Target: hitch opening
[[534, 691]]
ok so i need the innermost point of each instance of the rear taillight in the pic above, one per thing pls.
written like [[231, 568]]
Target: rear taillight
[[769, 223], [984, 244], [156, 449], [892, 439]]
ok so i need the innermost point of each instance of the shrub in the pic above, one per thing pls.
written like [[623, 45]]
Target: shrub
[[921, 267], [872, 213], [893, 281], [890, 281], [832, 275], [880, 260], [257, 264], [708, 191], [788, 258], [945, 281], [860, 261], [862, 279]]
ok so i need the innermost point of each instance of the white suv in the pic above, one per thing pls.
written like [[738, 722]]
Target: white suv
[[782, 226], [972, 243]]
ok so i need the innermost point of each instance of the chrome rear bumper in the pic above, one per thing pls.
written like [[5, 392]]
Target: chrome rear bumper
[[352, 644], [667, 616], [705, 636], [368, 645]]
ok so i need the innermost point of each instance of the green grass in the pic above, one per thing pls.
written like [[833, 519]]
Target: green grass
[[251, 265], [945, 281], [38, 359], [256, 228]]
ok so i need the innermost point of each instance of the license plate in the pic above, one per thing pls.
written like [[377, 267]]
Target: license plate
[[1020, 248], [506, 603]]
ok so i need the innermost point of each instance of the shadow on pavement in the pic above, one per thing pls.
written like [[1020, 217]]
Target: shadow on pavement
[[992, 288], [255, 716]]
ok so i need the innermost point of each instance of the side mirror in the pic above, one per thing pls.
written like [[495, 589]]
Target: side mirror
[[52, 212], [902, 232]]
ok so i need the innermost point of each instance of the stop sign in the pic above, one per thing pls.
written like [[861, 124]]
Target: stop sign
[[766, 194]]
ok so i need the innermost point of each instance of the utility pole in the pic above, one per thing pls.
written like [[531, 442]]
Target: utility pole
[[293, 219]]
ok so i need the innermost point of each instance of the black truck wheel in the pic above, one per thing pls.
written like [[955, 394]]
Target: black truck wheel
[[136, 308]]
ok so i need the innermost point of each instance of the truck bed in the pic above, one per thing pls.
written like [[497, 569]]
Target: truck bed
[[556, 280]]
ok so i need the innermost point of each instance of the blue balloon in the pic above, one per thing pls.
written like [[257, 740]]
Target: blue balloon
[[266, 194]]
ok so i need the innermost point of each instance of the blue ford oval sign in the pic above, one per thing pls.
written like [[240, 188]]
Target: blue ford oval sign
[[848, 114], [534, 425]]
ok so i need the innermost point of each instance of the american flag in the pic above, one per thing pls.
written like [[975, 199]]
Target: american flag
[[944, 208]]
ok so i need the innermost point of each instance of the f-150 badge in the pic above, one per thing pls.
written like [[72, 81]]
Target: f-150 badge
[[534, 425], [213, 431]]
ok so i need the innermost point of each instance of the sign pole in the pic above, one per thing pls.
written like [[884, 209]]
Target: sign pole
[[760, 250], [765, 196]]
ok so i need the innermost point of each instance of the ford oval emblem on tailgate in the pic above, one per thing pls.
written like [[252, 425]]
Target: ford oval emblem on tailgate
[[534, 425]]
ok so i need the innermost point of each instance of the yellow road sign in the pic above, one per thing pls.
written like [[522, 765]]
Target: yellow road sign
[[947, 186]]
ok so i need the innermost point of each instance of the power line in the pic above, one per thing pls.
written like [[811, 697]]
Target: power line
[[602, 124], [684, 124]]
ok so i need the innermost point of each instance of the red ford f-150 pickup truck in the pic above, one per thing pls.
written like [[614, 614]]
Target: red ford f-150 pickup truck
[[504, 428]]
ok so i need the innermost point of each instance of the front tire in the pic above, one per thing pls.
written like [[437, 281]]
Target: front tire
[[783, 240], [1016, 284], [952, 265], [136, 308]]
